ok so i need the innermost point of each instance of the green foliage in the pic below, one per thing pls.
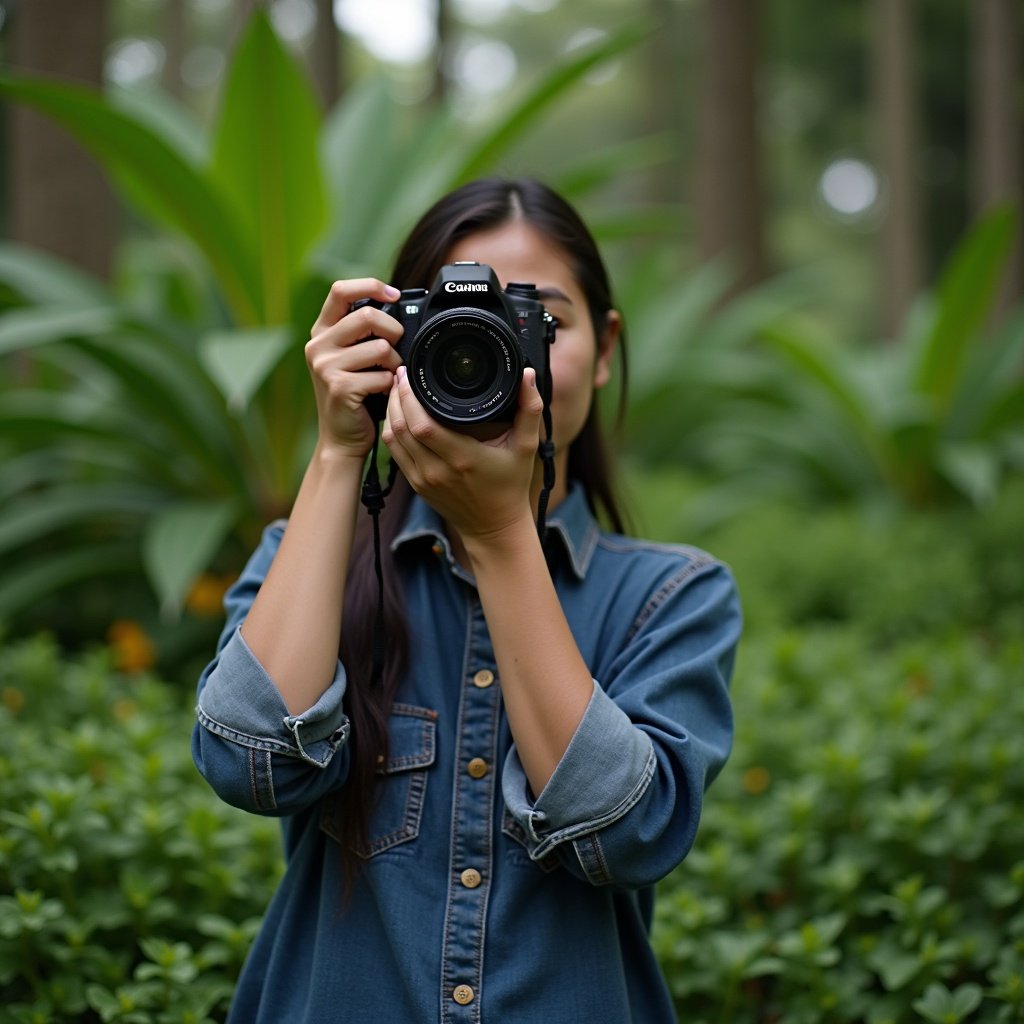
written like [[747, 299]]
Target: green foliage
[[860, 858], [129, 892], [770, 407], [176, 405]]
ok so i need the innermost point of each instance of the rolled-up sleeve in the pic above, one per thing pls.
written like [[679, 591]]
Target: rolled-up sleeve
[[623, 805], [253, 753]]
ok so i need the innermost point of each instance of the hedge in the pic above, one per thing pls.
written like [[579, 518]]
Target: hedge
[[861, 858]]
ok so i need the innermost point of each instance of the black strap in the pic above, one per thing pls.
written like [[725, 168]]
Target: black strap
[[372, 497]]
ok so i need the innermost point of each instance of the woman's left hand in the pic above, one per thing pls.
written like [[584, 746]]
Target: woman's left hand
[[480, 488]]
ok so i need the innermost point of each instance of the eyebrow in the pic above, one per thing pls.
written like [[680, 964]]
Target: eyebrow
[[545, 294]]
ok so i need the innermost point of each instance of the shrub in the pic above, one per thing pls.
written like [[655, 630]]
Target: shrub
[[128, 892], [862, 857]]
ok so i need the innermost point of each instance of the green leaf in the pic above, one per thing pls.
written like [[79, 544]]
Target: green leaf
[[505, 130], [973, 469], [22, 585], [43, 279], [179, 543], [964, 297], [153, 175], [240, 361], [40, 513], [266, 161], [941, 1006], [22, 329]]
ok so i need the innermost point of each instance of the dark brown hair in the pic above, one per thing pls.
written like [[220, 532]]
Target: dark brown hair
[[479, 206]]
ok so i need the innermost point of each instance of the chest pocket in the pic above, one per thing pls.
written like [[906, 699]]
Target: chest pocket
[[401, 783]]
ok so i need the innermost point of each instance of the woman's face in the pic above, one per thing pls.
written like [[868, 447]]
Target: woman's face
[[579, 361]]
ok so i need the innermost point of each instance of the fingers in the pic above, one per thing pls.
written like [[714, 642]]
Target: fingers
[[344, 293]]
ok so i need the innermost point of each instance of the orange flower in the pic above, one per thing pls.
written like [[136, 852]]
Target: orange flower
[[207, 594], [134, 651], [13, 699], [756, 780]]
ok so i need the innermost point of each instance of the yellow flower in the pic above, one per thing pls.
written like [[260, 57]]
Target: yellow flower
[[207, 594], [134, 651], [756, 780]]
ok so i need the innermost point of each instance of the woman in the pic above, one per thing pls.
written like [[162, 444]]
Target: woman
[[476, 836]]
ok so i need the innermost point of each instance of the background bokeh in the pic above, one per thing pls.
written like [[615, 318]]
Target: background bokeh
[[812, 214]]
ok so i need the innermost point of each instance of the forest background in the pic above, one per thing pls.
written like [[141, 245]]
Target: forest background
[[812, 215]]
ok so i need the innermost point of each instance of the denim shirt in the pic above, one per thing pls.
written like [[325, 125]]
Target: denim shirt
[[478, 902]]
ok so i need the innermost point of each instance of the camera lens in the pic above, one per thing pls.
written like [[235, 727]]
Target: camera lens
[[465, 366]]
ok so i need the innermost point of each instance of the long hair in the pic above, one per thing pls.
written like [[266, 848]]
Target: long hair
[[479, 206]]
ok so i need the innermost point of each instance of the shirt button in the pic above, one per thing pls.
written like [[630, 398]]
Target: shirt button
[[463, 995], [471, 878], [483, 678], [477, 768]]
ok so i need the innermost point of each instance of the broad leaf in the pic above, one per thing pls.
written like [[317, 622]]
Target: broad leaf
[[41, 278], [240, 361], [179, 543], [266, 161], [155, 176], [964, 297], [23, 329]]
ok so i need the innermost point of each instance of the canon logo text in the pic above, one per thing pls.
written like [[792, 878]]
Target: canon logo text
[[455, 286]]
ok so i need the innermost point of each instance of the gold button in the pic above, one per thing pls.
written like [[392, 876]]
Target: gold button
[[471, 878], [437, 548], [483, 678], [463, 995], [477, 767]]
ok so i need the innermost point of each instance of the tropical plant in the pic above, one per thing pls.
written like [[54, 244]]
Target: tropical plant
[[771, 405], [160, 423]]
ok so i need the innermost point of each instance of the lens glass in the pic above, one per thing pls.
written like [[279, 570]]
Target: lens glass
[[467, 366]]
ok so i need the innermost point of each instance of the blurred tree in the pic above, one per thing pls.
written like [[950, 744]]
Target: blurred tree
[[666, 92], [175, 40], [995, 92], [325, 64], [728, 206], [895, 109], [444, 25], [64, 204]]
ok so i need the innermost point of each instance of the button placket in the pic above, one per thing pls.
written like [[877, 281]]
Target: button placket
[[472, 828]]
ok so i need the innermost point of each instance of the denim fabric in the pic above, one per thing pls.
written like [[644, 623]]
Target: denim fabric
[[478, 902]]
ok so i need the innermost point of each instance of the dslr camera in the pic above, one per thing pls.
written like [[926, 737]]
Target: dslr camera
[[467, 342]]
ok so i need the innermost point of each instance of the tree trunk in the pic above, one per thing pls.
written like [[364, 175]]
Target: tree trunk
[[60, 199], [175, 46], [996, 125], [728, 179], [442, 51], [665, 105], [901, 259], [325, 65]]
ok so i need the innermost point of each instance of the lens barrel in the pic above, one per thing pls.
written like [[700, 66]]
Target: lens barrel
[[465, 366]]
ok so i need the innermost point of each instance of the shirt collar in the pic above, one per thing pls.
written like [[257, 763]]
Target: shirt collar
[[571, 522]]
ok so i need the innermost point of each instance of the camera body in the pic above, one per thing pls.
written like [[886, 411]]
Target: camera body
[[467, 342]]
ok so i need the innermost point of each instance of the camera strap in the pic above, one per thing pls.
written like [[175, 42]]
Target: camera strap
[[372, 496]]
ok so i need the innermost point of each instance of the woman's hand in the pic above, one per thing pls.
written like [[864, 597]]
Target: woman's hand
[[351, 354], [480, 488]]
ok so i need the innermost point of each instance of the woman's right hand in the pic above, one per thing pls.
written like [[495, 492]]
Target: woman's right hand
[[351, 354]]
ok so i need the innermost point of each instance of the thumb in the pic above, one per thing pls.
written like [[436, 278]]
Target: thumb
[[526, 429]]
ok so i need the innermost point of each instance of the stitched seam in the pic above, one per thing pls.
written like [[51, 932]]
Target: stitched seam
[[672, 584]]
